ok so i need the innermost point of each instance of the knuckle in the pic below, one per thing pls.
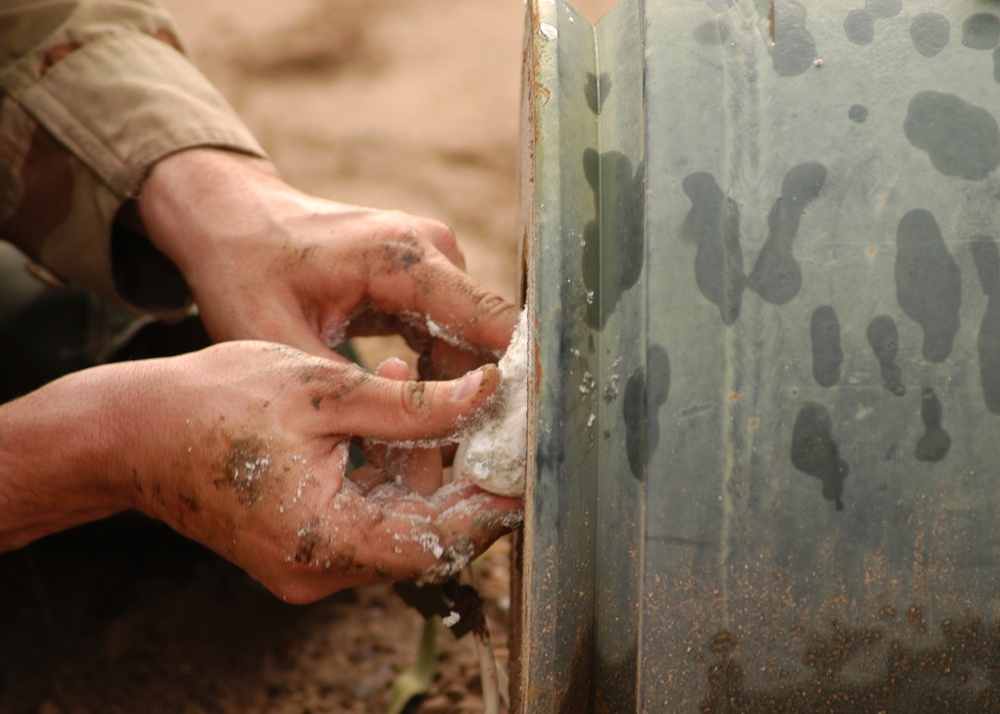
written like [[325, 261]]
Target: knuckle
[[491, 306], [436, 230], [442, 236], [416, 399], [447, 242]]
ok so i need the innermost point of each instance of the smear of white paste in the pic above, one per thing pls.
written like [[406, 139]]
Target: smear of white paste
[[493, 456]]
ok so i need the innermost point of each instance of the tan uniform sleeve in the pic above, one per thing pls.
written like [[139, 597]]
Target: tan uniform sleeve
[[92, 94]]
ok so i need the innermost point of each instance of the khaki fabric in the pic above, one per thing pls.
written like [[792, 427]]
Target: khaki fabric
[[92, 94]]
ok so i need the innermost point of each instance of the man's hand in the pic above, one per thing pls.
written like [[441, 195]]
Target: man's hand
[[243, 447], [266, 261]]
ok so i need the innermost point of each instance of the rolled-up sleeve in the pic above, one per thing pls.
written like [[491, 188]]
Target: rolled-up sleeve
[[92, 94]]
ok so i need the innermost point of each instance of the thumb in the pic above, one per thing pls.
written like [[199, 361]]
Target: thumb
[[394, 410]]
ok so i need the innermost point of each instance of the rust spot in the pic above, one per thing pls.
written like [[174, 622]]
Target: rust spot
[[735, 396], [578, 697], [770, 18], [723, 643], [917, 619], [871, 251], [754, 423]]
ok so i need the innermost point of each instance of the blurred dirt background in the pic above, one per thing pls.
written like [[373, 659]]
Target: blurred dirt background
[[405, 104]]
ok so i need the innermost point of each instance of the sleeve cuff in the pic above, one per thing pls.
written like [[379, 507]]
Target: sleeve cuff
[[120, 103]]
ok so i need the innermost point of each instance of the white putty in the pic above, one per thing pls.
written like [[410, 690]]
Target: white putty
[[451, 619], [493, 456], [451, 562], [431, 543]]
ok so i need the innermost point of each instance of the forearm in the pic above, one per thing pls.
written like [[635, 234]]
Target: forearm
[[195, 198], [57, 457], [93, 94]]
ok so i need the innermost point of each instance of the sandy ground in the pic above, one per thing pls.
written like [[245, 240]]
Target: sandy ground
[[406, 104]]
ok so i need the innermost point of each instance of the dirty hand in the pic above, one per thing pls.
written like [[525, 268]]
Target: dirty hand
[[265, 261], [243, 447]]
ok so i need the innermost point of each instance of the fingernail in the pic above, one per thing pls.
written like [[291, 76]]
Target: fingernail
[[467, 386], [392, 363]]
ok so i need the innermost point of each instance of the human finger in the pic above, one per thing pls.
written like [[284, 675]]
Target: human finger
[[454, 306], [425, 413], [392, 534], [443, 237], [432, 539], [419, 470], [368, 477], [373, 473], [444, 361]]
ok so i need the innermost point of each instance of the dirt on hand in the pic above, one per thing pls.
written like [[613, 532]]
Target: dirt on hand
[[412, 106]]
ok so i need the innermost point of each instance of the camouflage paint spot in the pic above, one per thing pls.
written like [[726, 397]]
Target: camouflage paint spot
[[814, 452], [776, 275], [794, 47], [981, 31], [928, 282], [47, 180], [935, 443], [884, 340], [859, 26], [960, 138], [167, 36], [930, 33], [634, 414], [597, 90], [988, 346], [57, 53], [713, 223], [824, 329], [707, 33], [858, 113], [641, 407], [987, 257], [614, 243]]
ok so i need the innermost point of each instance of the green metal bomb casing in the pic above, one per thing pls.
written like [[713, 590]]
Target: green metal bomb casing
[[762, 261]]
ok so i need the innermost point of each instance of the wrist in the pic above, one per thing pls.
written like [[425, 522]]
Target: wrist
[[197, 194], [58, 449]]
